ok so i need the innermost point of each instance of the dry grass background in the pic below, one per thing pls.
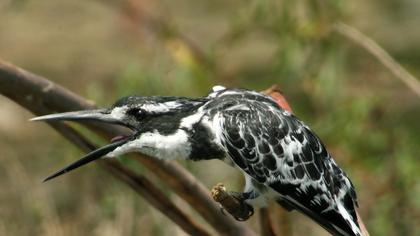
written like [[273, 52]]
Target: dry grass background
[[367, 118]]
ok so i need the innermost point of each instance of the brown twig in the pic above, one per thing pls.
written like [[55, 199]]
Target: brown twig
[[283, 221], [377, 51], [275, 93], [41, 96], [266, 223], [154, 196], [137, 182], [193, 192], [361, 225]]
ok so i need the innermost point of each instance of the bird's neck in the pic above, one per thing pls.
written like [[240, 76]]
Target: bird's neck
[[192, 138], [164, 146]]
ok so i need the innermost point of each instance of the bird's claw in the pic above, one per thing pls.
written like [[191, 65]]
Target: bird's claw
[[248, 210], [245, 210], [233, 203]]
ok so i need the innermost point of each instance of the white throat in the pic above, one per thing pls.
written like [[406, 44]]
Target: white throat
[[157, 145]]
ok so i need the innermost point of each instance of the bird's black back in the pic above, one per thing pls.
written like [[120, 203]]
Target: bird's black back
[[278, 150]]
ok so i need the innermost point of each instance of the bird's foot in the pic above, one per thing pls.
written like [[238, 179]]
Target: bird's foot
[[245, 210], [233, 202]]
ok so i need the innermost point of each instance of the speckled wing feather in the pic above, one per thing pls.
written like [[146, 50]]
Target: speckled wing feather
[[276, 149]]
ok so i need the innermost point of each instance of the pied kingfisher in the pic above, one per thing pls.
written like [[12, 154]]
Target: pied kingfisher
[[280, 157]]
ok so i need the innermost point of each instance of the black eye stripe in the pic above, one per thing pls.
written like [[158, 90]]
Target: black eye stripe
[[133, 111], [137, 112]]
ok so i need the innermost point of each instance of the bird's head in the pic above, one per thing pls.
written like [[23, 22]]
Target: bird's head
[[134, 112]]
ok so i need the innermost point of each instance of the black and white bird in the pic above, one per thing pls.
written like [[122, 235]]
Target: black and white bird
[[280, 157]]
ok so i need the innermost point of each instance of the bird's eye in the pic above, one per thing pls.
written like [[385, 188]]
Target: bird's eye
[[138, 113]]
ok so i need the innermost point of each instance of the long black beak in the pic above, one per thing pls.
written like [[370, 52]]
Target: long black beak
[[94, 155], [98, 115]]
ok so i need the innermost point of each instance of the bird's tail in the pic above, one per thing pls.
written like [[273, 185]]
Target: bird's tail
[[341, 221], [350, 217]]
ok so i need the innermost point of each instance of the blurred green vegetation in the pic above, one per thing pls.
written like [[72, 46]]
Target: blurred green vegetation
[[107, 49]]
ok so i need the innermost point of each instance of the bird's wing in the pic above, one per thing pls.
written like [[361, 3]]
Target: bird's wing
[[276, 149]]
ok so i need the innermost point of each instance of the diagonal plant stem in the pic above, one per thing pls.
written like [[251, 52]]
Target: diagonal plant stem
[[266, 223], [42, 96], [137, 182], [155, 197], [377, 51]]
